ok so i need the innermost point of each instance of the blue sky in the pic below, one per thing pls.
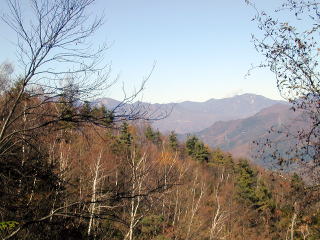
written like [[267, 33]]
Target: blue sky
[[202, 48]]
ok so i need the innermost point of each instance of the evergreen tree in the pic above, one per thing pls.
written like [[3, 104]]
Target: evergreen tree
[[218, 157], [122, 145], [173, 141], [197, 150], [264, 197], [246, 183], [103, 116], [152, 136], [149, 133], [201, 153], [125, 136], [190, 145], [252, 191], [86, 111]]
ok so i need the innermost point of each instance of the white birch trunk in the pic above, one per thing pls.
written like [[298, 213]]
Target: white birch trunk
[[219, 216], [138, 177], [194, 205], [95, 183]]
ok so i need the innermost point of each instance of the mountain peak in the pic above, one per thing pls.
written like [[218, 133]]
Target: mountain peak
[[190, 116]]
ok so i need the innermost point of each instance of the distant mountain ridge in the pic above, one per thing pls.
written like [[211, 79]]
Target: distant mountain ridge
[[237, 136], [231, 124], [189, 117]]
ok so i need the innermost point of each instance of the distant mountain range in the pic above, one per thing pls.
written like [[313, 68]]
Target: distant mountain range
[[231, 124], [236, 136], [189, 117]]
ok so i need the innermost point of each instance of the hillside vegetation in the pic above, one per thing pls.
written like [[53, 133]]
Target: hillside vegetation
[[73, 169], [123, 181]]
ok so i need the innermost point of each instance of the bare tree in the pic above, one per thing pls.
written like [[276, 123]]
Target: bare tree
[[53, 47], [290, 47], [138, 169], [197, 193], [99, 198], [220, 215], [61, 69]]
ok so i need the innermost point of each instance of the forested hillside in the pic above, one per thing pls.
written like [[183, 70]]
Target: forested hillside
[[85, 182], [73, 169]]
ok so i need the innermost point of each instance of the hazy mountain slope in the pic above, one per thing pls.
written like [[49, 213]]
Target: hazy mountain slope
[[188, 117], [108, 102], [236, 136]]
